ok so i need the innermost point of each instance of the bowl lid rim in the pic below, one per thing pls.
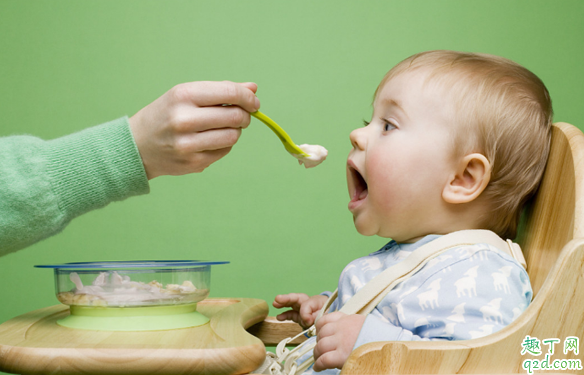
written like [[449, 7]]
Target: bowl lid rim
[[132, 264]]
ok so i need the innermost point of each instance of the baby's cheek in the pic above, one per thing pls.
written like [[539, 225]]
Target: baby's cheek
[[386, 180], [380, 168]]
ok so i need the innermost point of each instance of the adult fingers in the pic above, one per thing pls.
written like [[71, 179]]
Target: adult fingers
[[250, 85], [206, 93], [200, 119], [209, 140]]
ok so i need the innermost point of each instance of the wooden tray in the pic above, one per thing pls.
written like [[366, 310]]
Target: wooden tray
[[34, 344]]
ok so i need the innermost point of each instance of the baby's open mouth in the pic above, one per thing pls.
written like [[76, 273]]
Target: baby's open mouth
[[359, 185]]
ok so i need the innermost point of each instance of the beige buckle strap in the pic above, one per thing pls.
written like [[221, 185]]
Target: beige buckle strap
[[517, 253]]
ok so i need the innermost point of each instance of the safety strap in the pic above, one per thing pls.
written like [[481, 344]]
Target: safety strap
[[365, 300]]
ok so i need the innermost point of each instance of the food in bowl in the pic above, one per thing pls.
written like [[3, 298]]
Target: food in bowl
[[132, 284]]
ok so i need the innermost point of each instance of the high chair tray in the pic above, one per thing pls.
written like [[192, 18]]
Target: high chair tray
[[33, 343]]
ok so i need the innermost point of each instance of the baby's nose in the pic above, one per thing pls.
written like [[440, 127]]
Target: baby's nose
[[358, 139]]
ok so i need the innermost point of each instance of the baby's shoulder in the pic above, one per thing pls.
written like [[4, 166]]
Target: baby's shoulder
[[480, 252], [475, 259]]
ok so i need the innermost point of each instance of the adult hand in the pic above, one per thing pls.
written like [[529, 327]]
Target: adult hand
[[336, 334], [304, 308], [188, 128]]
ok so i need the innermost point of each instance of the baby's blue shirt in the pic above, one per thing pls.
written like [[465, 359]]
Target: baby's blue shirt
[[465, 293]]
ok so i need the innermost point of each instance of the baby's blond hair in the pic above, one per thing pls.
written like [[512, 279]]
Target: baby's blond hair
[[501, 110]]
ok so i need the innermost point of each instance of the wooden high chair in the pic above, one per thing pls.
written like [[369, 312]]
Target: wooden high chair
[[552, 239]]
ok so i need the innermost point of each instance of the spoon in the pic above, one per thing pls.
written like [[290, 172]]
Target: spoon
[[284, 137]]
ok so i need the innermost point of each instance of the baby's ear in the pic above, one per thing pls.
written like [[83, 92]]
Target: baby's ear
[[469, 179]]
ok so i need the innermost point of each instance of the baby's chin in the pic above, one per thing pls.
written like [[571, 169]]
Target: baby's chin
[[364, 228], [371, 229]]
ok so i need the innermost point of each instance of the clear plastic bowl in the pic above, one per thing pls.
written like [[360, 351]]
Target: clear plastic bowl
[[132, 284]]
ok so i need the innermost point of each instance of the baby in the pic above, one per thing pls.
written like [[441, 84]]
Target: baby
[[456, 141]]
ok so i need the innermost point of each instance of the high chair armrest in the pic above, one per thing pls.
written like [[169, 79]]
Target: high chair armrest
[[271, 331], [405, 357], [409, 357]]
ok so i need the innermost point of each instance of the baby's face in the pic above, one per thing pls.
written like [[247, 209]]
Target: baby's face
[[401, 161]]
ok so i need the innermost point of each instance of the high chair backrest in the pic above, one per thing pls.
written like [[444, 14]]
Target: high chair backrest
[[555, 214]]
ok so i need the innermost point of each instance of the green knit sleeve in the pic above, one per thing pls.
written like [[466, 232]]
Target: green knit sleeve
[[45, 184]]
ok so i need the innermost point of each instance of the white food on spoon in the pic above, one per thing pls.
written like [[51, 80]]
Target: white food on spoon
[[316, 155]]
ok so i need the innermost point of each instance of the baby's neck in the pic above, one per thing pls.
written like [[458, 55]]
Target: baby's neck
[[445, 219]]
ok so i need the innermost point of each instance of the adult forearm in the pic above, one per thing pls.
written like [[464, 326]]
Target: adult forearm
[[45, 184]]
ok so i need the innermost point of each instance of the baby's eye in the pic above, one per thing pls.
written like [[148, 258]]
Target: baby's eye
[[365, 122], [389, 126]]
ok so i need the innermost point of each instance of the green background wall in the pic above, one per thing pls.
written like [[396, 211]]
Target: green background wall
[[67, 65]]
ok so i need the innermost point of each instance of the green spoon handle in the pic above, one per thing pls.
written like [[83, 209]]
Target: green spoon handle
[[284, 137]]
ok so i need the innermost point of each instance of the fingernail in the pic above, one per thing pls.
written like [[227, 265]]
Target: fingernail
[[257, 103]]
